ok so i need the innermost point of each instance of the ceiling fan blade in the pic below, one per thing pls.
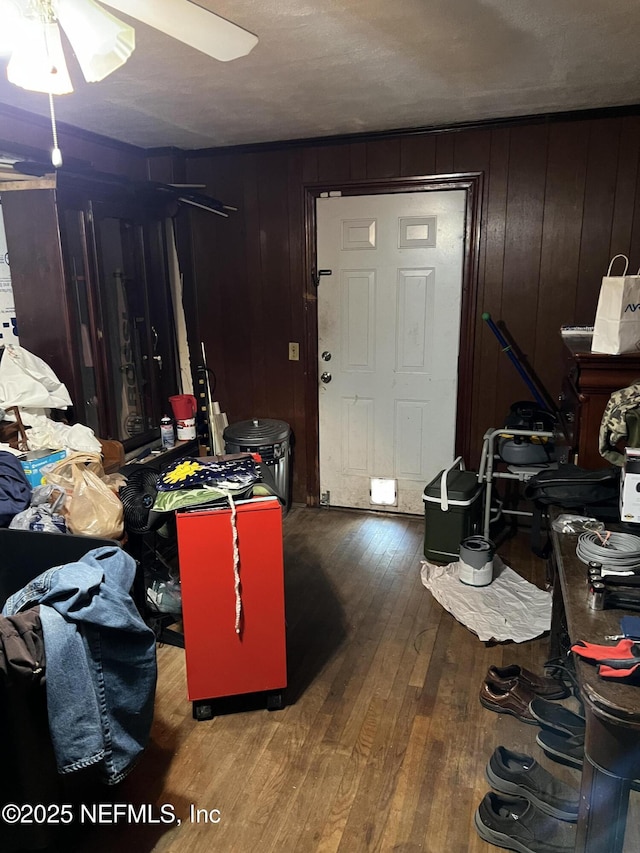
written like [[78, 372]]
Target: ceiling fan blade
[[191, 24]]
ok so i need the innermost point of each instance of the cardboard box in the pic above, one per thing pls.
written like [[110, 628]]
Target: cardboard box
[[36, 463], [630, 486]]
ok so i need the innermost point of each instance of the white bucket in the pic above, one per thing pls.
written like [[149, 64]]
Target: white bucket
[[186, 429], [476, 561]]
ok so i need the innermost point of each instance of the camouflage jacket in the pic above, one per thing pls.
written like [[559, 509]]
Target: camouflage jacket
[[620, 421]]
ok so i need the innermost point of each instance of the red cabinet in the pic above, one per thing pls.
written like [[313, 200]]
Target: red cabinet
[[220, 660]]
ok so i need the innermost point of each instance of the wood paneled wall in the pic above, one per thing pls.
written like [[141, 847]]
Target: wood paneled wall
[[24, 133], [560, 198]]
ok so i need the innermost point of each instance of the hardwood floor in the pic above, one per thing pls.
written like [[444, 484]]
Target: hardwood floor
[[383, 743]]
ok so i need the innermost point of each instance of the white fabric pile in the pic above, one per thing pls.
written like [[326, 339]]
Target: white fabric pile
[[509, 608]]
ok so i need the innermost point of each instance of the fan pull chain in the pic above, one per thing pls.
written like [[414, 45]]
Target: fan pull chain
[[47, 16], [56, 153]]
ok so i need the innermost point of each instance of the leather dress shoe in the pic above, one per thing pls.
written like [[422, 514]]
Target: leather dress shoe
[[513, 699], [541, 685], [516, 824], [521, 776]]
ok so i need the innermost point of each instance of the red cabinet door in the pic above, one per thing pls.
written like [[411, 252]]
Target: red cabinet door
[[221, 661]]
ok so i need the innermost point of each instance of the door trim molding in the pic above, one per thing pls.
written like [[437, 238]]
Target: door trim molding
[[472, 184]]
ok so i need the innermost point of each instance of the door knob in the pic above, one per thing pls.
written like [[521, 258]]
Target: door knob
[[326, 356], [325, 377]]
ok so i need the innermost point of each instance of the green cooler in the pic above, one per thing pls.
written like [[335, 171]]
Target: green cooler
[[453, 509]]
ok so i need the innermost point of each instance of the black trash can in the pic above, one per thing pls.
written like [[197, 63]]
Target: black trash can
[[272, 440]]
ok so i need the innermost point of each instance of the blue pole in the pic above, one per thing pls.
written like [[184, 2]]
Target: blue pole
[[506, 347]]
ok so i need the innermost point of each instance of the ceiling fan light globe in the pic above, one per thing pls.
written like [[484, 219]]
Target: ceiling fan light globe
[[101, 42], [37, 62]]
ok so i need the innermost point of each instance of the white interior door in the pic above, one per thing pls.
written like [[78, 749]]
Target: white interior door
[[388, 335]]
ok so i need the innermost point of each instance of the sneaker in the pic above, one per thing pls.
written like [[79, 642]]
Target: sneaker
[[516, 824], [520, 775], [165, 596], [564, 748], [557, 718], [568, 750]]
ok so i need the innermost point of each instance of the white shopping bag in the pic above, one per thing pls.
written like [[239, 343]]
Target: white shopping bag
[[617, 324], [26, 380]]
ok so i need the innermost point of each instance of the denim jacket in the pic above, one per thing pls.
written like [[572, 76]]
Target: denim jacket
[[101, 661]]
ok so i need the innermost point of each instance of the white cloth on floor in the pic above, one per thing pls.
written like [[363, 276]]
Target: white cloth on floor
[[509, 608]]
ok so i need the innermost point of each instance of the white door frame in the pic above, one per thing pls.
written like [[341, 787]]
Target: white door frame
[[472, 184]]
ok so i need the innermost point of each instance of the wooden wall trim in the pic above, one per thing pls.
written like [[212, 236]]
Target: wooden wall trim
[[430, 130], [469, 310], [472, 184]]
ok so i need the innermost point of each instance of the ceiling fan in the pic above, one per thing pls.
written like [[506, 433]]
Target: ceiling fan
[[101, 42], [191, 24], [30, 34]]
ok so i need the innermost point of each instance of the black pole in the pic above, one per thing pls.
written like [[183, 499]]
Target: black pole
[[507, 348]]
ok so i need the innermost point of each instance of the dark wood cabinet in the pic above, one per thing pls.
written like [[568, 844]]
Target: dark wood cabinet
[[611, 707], [90, 275], [590, 379]]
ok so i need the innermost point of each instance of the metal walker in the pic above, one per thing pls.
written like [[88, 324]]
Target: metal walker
[[487, 472]]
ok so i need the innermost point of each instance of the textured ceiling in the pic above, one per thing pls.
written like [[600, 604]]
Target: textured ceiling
[[328, 67]]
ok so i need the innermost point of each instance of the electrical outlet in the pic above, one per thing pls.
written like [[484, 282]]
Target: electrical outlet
[[294, 352]]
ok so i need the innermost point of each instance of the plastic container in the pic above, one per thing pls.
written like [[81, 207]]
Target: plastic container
[[476, 561], [272, 440], [167, 435], [184, 406], [452, 512]]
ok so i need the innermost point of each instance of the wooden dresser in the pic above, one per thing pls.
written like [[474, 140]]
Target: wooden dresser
[[589, 380]]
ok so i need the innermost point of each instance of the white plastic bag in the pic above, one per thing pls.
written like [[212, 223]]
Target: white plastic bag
[[26, 380], [617, 325]]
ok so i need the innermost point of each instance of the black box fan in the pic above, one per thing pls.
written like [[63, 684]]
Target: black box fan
[[138, 497]]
